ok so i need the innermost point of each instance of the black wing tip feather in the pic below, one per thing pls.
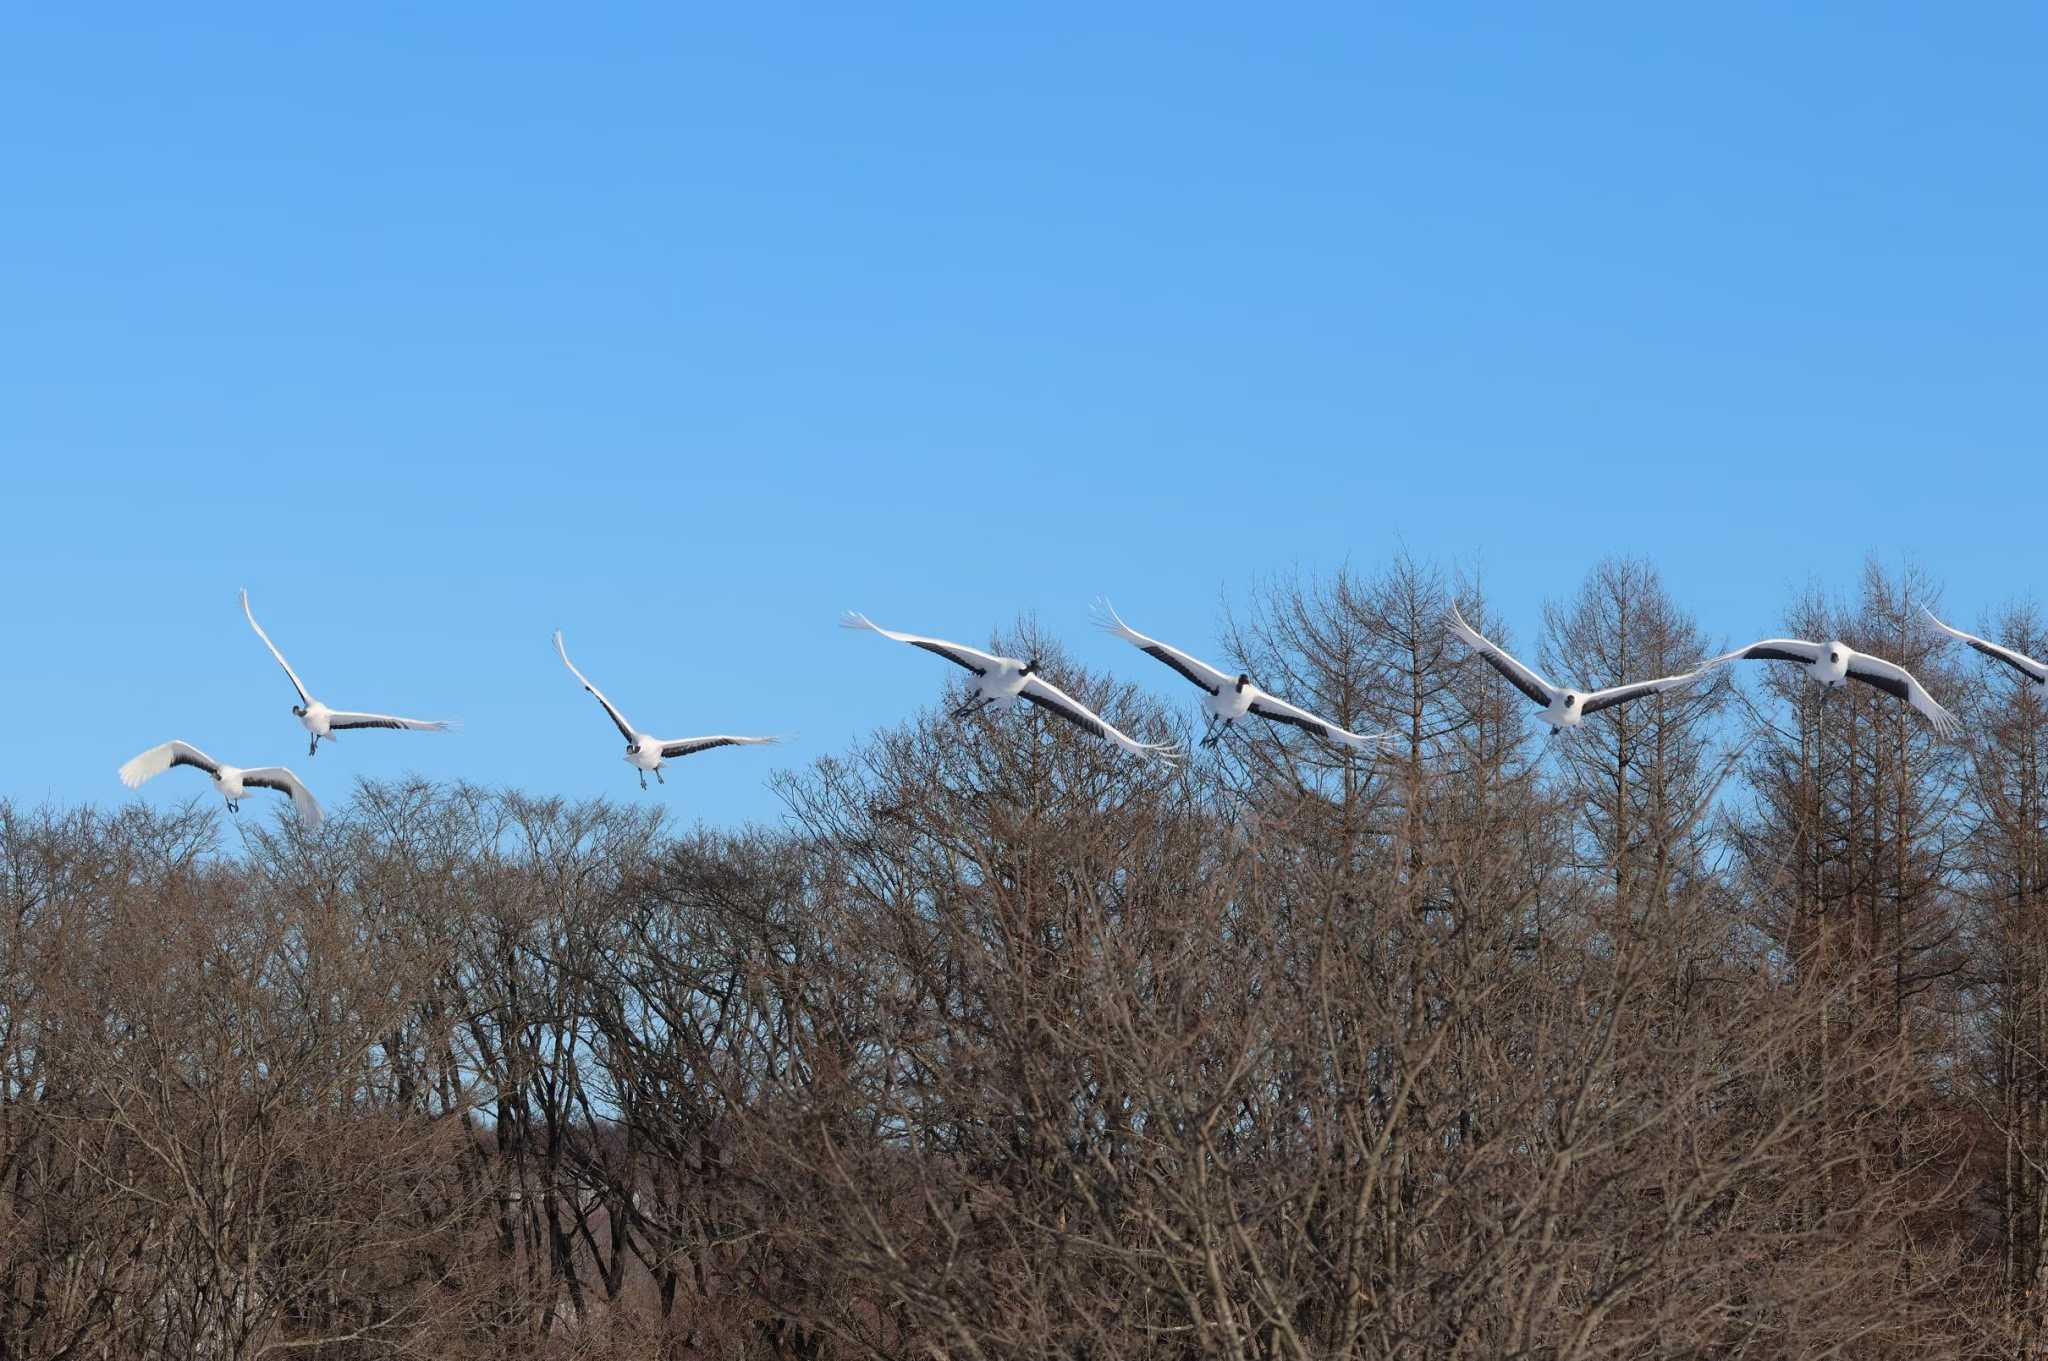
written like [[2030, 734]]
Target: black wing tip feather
[[1619, 697], [1160, 654], [1092, 726], [1891, 685], [1306, 725], [939, 650], [2011, 659], [1945, 723], [609, 711], [674, 750], [1515, 678], [1497, 659]]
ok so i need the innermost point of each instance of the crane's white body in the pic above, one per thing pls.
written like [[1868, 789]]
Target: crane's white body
[[1831, 667], [1002, 685], [1229, 703], [317, 719]]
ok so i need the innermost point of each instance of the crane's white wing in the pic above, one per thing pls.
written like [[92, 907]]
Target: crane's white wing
[[617, 718], [344, 719], [1771, 650], [973, 658], [1521, 677], [159, 759], [1280, 711], [284, 782], [1200, 672], [2018, 661], [1049, 697], [1622, 694], [297, 684], [690, 746], [1898, 682]]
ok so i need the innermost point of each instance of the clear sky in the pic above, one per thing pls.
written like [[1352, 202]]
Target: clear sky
[[685, 328]]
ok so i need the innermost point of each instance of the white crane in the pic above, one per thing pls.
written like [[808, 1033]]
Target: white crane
[[1226, 699], [999, 682], [233, 782], [646, 753], [321, 721], [1834, 663], [1562, 708]]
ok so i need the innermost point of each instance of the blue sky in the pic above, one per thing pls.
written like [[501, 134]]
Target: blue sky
[[686, 330]]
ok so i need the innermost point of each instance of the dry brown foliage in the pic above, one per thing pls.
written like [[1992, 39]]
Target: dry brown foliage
[[1005, 1046]]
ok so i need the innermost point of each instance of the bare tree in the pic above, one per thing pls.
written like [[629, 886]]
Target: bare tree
[[1005, 1045], [1641, 776]]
